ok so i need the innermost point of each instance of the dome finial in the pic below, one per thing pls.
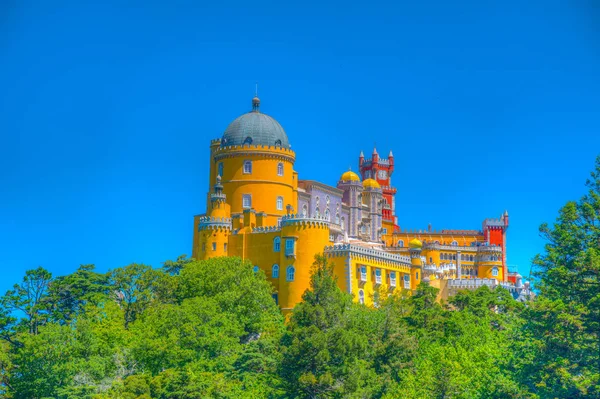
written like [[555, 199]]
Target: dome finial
[[256, 100]]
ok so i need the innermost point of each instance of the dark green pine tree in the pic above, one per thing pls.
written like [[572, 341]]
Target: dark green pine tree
[[561, 339]]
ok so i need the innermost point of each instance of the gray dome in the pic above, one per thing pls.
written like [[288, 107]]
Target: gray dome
[[255, 128]]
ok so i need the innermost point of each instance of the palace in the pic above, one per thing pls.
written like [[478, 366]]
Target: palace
[[258, 209]]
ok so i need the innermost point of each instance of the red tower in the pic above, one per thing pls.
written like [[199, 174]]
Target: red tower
[[494, 232], [381, 170]]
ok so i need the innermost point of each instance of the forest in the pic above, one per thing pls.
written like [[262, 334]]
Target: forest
[[211, 329]]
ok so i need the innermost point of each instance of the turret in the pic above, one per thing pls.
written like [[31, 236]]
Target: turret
[[361, 159], [391, 162], [374, 162], [416, 271], [353, 189]]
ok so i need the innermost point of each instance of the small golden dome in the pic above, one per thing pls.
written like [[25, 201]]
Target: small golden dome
[[371, 183], [417, 244], [350, 176]]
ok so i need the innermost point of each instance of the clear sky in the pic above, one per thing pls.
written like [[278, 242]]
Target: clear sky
[[106, 113]]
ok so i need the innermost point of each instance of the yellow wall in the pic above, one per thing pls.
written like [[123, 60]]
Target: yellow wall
[[263, 184], [311, 240]]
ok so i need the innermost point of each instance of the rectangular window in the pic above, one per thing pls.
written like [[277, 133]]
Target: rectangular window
[[407, 281], [392, 279], [377, 276], [363, 274], [225, 247], [214, 246], [280, 169], [246, 201], [247, 167], [384, 230], [220, 169], [279, 203], [289, 247]]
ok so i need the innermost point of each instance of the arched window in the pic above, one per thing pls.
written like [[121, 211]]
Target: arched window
[[248, 140], [304, 210], [317, 212], [454, 244], [337, 218], [401, 243], [280, 169], [495, 271], [327, 215], [361, 297], [276, 244], [278, 143], [453, 256], [470, 258], [247, 167], [220, 167], [255, 268], [275, 271], [289, 276], [363, 229], [343, 223], [279, 203]]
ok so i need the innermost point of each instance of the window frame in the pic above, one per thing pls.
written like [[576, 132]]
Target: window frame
[[280, 169], [275, 271], [288, 270], [277, 244], [247, 170], [279, 203], [249, 197]]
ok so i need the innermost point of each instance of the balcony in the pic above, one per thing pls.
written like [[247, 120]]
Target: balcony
[[378, 280], [363, 277]]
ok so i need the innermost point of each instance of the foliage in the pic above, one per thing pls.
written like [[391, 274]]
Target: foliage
[[210, 329]]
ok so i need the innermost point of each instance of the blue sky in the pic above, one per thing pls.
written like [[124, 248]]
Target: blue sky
[[106, 113]]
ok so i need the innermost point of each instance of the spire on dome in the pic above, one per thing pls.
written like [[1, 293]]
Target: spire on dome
[[255, 104]]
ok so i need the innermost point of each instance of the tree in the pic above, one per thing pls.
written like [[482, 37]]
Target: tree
[[133, 288], [29, 298], [324, 356], [68, 295], [561, 339]]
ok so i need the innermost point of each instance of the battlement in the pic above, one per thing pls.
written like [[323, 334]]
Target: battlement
[[341, 249], [298, 218], [209, 222], [494, 222], [251, 148], [266, 229], [474, 283], [380, 161]]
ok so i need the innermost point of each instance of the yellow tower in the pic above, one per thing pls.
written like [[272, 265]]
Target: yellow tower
[[255, 161], [416, 271], [301, 238], [211, 232]]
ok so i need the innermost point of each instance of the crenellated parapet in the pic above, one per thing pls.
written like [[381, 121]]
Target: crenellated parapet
[[305, 220], [369, 253], [267, 151], [266, 229], [214, 223]]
